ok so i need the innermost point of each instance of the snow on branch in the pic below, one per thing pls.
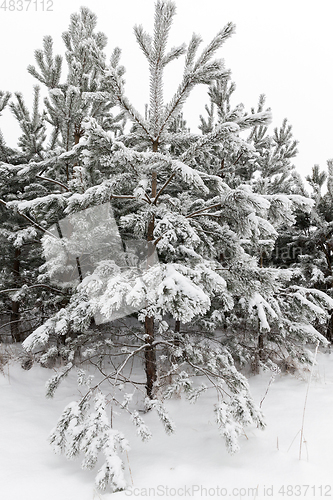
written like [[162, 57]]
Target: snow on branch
[[322, 296], [144, 40], [189, 175], [85, 429], [42, 203], [300, 294], [177, 293], [123, 156], [40, 337], [215, 44], [114, 84], [157, 405], [261, 305], [254, 120]]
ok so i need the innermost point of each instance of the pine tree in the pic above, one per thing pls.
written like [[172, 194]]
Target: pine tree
[[261, 166], [312, 236], [20, 235], [34, 170]]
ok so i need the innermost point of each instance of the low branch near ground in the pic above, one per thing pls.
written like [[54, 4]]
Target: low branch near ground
[[8, 290]]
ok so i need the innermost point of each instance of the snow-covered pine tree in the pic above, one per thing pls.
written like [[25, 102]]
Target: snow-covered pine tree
[[35, 169], [25, 301], [166, 189], [311, 240], [259, 166], [70, 102]]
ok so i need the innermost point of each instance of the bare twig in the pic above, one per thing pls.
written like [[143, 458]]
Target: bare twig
[[122, 197], [202, 210], [53, 181], [269, 384], [306, 398], [163, 187], [237, 159]]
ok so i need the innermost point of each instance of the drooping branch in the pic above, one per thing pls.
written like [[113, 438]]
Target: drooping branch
[[53, 181], [29, 220], [9, 290]]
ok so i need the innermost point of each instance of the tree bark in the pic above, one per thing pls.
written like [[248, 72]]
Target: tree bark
[[150, 350], [260, 345], [150, 357], [177, 330], [259, 353], [329, 331], [15, 312]]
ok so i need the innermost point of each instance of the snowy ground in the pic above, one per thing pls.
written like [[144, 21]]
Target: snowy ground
[[191, 463]]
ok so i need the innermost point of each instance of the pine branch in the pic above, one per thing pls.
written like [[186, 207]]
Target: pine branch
[[4, 98], [144, 40], [202, 75], [254, 120], [9, 290], [191, 51], [29, 220], [163, 187], [218, 133], [203, 209], [174, 53], [53, 181], [215, 44], [177, 102], [116, 89], [164, 13], [50, 69]]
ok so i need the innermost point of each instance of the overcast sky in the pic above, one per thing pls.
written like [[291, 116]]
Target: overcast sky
[[283, 49]]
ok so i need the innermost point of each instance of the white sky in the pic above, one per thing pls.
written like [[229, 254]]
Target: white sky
[[283, 49]]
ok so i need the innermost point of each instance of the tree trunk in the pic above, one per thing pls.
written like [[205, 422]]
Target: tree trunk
[[150, 357], [177, 330], [15, 314], [329, 331], [150, 351], [261, 345], [259, 353]]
